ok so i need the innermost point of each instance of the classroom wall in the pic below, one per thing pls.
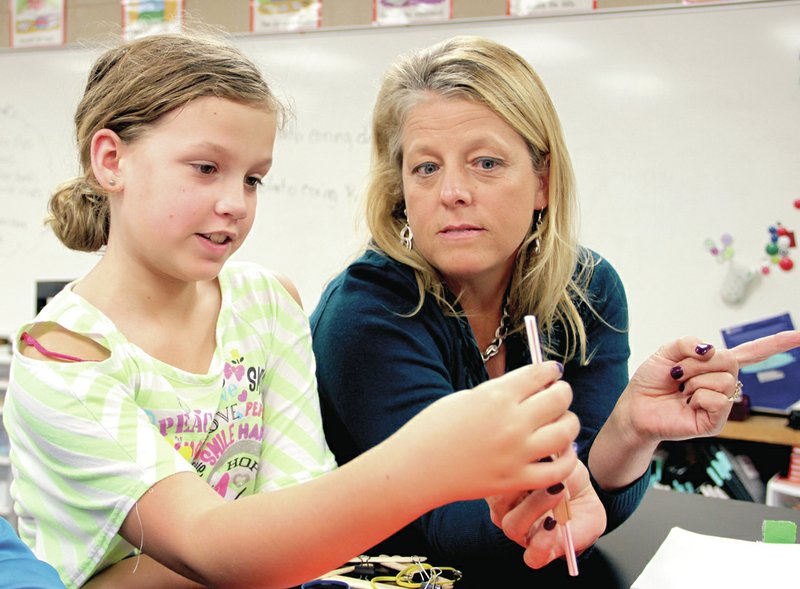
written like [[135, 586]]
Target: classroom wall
[[681, 121], [92, 19]]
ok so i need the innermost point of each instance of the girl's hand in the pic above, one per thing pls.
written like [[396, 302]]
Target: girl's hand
[[490, 439], [527, 518]]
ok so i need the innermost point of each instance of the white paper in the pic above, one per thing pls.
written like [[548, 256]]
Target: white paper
[[687, 559]]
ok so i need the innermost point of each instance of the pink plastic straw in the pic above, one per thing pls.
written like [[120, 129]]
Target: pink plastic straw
[[566, 538]]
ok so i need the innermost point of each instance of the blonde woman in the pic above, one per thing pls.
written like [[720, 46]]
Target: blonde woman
[[471, 209]]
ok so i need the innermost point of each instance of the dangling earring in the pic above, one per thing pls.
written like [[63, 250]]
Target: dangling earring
[[537, 243], [406, 235]]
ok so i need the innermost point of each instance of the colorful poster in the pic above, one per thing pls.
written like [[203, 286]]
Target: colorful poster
[[146, 17], [532, 7], [268, 16], [37, 23], [402, 12]]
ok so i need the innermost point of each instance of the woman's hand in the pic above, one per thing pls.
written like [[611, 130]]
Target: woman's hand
[[527, 518], [685, 389], [762, 348], [682, 391]]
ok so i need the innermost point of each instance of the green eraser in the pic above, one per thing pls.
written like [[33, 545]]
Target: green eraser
[[779, 532]]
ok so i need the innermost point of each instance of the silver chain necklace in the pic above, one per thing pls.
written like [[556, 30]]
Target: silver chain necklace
[[499, 336]]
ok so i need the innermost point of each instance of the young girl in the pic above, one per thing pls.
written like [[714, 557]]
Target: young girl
[[168, 382]]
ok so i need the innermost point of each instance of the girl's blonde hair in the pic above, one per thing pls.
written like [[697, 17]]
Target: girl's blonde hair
[[128, 89], [481, 70]]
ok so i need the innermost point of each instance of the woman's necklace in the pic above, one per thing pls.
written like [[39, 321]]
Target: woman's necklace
[[499, 336]]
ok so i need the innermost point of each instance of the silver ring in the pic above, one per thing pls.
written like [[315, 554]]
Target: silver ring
[[737, 392]]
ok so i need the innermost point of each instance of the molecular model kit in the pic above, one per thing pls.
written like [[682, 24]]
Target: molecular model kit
[[780, 241]]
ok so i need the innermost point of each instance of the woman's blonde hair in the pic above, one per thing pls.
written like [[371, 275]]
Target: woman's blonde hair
[[481, 70], [128, 89]]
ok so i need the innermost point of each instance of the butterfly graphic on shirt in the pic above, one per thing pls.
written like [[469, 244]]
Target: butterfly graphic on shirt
[[235, 368]]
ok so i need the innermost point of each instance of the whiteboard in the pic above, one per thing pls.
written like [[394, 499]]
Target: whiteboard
[[683, 123]]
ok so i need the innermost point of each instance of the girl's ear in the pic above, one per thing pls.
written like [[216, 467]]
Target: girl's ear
[[106, 152]]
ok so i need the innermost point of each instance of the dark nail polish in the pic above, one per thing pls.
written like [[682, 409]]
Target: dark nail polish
[[560, 367], [676, 372], [703, 349], [549, 523], [555, 489], [546, 459], [682, 386]]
